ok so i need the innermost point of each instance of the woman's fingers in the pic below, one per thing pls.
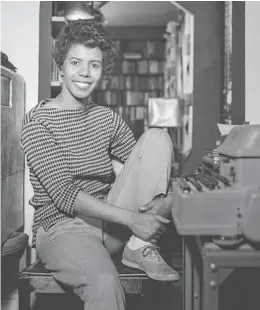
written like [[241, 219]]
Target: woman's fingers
[[161, 219], [146, 207]]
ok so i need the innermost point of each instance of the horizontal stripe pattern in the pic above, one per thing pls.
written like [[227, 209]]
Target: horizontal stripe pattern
[[68, 151]]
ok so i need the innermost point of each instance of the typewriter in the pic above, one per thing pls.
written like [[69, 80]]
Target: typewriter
[[222, 197]]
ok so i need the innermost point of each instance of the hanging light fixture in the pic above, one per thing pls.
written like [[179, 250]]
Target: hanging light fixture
[[74, 10]]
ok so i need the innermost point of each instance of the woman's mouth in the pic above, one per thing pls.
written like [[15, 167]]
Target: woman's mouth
[[82, 85]]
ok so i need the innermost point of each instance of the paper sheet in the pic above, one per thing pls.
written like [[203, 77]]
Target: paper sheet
[[225, 129]]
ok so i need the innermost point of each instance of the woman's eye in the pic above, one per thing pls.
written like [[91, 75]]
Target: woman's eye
[[96, 65], [75, 62]]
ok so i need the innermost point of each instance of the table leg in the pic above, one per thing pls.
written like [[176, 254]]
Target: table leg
[[24, 301], [187, 291], [24, 295], [196, 289], [210, 292]]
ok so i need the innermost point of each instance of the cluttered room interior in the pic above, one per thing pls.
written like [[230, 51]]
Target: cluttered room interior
[[130, 140]]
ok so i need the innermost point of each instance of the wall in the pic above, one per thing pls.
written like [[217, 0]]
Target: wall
[[208, 76], [45, 50], [252, 63]]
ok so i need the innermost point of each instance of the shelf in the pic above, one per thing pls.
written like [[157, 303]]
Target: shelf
[[148, 58], [55, 84], [141, 90], [58, 19], [140, 74], [125, 106], [55, 88]]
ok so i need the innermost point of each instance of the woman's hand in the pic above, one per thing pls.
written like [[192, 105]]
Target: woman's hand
[[160, 206], [147, 226]]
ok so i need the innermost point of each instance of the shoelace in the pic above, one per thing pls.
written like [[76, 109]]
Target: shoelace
[[153, 250]]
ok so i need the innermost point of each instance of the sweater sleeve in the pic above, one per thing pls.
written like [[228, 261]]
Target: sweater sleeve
[[122, 141], [46, 160]]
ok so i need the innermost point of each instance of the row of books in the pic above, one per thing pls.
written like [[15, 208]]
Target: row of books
[[135, 117], [134, 83], [124, 98], [131, 113], [145, 48], [139, 67], [55, 73]]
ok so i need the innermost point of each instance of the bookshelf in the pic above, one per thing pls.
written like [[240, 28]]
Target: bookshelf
[[57, 22], [138, 74]]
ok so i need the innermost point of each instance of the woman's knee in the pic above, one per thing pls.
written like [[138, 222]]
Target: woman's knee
[[159, 139]]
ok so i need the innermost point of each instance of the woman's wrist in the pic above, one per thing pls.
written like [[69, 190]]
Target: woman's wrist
[[170, 197], [169, 194], [127, 217]]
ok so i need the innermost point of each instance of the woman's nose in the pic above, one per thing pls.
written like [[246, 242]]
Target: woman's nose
[[84, 71]]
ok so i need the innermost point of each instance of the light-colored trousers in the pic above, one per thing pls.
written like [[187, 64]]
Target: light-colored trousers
[[77, 252]]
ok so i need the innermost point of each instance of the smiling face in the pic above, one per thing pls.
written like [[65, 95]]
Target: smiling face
[[82, 71]]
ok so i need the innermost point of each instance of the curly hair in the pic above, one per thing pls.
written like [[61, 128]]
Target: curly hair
[[89, 34]]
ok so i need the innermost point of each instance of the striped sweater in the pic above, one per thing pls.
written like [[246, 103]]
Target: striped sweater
[[68, 151]]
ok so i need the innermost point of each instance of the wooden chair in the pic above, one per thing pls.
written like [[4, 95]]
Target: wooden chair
[[36, 279]]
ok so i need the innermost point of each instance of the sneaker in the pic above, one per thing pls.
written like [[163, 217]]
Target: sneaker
[[150, 261]]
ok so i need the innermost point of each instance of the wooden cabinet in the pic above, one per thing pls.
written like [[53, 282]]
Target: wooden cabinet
[[12, 157]]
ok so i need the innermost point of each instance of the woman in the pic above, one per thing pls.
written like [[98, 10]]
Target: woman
[[81, 217]]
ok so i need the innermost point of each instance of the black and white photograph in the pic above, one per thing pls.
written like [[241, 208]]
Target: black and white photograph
[[130, 155]]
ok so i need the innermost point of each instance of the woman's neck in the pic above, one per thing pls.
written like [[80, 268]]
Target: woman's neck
[[67, 101]]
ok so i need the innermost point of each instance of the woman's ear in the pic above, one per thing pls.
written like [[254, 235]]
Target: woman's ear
[[61, 71]]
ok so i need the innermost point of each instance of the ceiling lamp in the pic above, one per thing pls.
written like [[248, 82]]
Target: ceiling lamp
[[74, 10], [87, 10]]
